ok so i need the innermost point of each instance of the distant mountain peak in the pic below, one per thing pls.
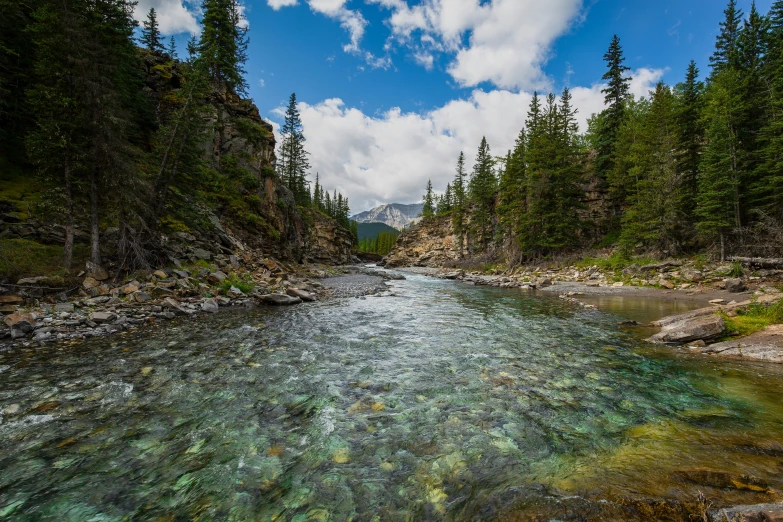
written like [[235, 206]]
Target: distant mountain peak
[[395, 215]]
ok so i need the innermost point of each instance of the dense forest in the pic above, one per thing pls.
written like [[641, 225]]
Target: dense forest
[[117, 127], [381, 244], [697, 166]]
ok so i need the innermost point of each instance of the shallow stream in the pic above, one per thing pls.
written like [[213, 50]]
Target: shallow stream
[[440, 402]]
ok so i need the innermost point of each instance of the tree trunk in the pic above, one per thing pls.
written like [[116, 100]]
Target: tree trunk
[[68, 247], [95, 231], [722, 248]]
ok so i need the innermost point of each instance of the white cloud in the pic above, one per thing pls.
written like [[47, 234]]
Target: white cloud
[[174, 16], [277, 4], [508, 41], [389, 157]]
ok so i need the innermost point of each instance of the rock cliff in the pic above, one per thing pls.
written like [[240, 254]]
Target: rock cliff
[[429, 243]]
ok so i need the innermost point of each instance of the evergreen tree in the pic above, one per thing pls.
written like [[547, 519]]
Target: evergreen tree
[[150, 33], [616, 92], [726, 54], [481, 190], [428, 210], [223, 46], [293, 163], [172, 50], [317, 194], [460, 197], [513, 189], [690, 138], [653, 218]]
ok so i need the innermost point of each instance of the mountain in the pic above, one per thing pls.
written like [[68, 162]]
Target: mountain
[[395, 215], [371, 230]]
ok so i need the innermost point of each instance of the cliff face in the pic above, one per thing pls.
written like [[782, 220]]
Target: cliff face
[[429, 243]]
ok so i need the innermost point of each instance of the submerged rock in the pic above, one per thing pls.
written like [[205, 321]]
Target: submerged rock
[[280, 299]]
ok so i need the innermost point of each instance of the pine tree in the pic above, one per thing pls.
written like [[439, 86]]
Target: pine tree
[[428, 210], [690, 138], [726, 54], [513, 189], [172, 50], [653, 218], [150, 33], [481, 191], [616, 92], [460, 197], [223, 46], [293, 163]]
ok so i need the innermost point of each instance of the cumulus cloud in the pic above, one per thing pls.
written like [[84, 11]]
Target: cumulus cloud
[[389, 157], [277, 4], [508, 41], [174, 16]]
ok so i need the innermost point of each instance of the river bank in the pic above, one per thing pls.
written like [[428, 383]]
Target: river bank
[[157, 297]]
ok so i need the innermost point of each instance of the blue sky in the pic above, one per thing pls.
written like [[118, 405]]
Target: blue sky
[[392, 90]]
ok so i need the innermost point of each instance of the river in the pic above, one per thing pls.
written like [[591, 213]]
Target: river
[[442, 401]]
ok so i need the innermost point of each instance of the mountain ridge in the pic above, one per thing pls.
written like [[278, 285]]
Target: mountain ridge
[[396, 215]]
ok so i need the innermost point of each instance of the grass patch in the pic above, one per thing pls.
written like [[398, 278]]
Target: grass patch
[[755, 318], [613, 263], [24, 258], [245, 284]]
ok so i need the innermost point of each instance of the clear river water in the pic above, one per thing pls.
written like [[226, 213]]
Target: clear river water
[[440, 402]]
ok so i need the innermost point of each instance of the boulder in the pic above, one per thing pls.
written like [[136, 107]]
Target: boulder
[[64, 307], [90, 282], [735, 286], [160, 291], [200, 253], [235, 293], [766, 346], [301, 294], [210, 305], [216, 277], [23, 322], [280, 299], [543, 282], [160, 274], [173, 305], [102, 317], [756, 513], [706, 327], [31, 280], [142, 297], [130, 288], [8, 308], [96, 272], [11, 299], [95, 301]]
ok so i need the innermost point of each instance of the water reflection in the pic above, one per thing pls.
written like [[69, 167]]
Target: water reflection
[[445, 402]]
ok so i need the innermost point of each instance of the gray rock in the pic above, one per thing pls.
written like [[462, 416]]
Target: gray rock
[[142, 297], [210, 305], [766, 345], [543, 282], [90, 283], [705, 327], [16, 333], [102, 317], [235, 293], [233, 260], [182, 274], [301, 294], [171, 304], [96, 301], [216, 277], [64, 307], [159, 291], [735, 286], [31, 280], [756, 513], [280, 299], [200, 253]]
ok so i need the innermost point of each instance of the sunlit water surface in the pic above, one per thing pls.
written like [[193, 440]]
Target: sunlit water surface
[[442, 402]]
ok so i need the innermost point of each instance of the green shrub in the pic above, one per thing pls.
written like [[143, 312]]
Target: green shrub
[[755, 318], [244, 283]]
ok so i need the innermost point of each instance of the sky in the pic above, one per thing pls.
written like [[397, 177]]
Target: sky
[[390, 91]]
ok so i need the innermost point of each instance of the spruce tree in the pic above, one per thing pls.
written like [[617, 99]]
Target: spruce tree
[[481, 190], [690, 138], [616, 92], [513, 190], [223, 46], [172, 50], [726, 54], [460, 197], [150, 33], [293, 163], [428, 210]]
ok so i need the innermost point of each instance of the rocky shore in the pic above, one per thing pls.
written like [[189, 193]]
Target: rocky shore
[[156, 297]]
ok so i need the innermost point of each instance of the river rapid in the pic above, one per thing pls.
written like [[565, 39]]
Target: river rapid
[[441, 401]]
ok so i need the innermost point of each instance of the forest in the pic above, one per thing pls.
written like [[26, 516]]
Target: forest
[[118, 127], [689, 168]]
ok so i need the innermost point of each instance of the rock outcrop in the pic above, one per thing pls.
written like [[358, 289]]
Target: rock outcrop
[[429, 243]]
